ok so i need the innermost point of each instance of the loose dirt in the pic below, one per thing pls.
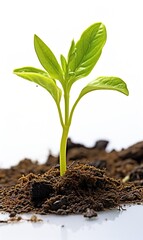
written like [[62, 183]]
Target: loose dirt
[[95, 180]]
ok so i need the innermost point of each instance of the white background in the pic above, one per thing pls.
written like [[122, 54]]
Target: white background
[[29, 124]]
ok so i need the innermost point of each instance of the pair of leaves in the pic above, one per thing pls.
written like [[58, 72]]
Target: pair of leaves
[[82, 56], [81, 59]]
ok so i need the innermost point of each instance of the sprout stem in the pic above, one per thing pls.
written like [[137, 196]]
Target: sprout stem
[[65, 126], [63, 146], [60, 114]]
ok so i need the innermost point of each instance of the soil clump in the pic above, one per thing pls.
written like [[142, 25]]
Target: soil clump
[[95, 180]]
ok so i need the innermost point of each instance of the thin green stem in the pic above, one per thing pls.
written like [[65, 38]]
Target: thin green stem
[[60, 114], [72, 110], [66, 126], [63, 145], [64, 137], [66, 100]]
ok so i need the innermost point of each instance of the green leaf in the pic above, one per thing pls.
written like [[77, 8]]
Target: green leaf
[[71, 52], [105, 83], [63, 63], [41, 78], [87, 51], [30, 69], [47, 59]]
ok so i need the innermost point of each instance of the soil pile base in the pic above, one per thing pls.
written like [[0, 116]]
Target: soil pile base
[[95, 180]]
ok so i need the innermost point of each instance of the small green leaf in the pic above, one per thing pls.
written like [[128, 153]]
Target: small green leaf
[[41, 78], [71, 51], [105, 83], [47, 59], [63, 63], [30, 69], [87, 51]]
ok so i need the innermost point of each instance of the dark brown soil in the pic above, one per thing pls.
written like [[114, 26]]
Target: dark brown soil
[[95, 180]]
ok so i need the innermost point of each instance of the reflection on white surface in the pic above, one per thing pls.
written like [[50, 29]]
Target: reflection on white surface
[[110, 225]]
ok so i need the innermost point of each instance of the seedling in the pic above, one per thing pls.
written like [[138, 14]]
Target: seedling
[[81, 59]]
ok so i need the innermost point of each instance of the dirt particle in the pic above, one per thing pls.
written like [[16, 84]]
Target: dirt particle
[[90, 213], [13, 214], [34, 219]]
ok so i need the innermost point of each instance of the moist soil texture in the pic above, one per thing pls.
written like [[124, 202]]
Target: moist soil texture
[[95, 180]]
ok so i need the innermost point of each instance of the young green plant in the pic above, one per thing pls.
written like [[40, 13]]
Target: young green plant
[[81, 59]]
